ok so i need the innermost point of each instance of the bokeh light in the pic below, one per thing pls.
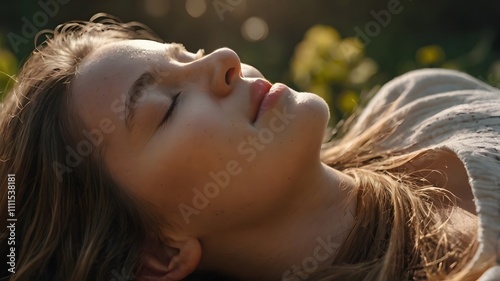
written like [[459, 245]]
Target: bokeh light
[[156, 8], [430, 55], [331, 59], [196, 8], [254, 29]]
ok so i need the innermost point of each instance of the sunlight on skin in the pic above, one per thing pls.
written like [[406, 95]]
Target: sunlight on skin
[[219, 106]]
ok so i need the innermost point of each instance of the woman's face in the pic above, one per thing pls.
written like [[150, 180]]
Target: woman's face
[[202, 137]]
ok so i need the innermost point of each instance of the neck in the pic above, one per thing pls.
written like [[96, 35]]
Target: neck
[[294, 243]]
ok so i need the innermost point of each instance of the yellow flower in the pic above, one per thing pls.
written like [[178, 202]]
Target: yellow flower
[[351, 49], [429, 55], [347, 101], [323, 36]]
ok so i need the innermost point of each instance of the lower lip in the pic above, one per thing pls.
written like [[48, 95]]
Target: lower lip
[[271, 98]]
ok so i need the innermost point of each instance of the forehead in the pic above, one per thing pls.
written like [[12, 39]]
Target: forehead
[[108, 59], [111, 67], [119, 62], [122, 52], [122, 59]]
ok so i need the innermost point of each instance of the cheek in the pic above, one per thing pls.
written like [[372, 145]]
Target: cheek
[[184, 156], [209, 140]]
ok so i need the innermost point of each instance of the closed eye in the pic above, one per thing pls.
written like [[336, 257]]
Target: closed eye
[[171, 108]]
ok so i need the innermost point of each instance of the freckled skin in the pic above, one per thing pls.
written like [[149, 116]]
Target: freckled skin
[[163, 165]]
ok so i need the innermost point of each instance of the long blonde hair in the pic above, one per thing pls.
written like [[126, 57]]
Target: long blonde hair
[[76, 224], [402, 229], [84, 227]]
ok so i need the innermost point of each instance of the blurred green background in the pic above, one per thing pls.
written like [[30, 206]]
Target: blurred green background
[[339, 49]]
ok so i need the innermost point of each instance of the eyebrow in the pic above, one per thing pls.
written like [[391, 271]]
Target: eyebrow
[[174, 49], [133, 95]]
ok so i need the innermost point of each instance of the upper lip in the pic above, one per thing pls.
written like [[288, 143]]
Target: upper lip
[[259, 89]]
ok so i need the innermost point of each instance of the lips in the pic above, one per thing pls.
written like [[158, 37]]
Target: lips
[[272, 97], [259, 89]]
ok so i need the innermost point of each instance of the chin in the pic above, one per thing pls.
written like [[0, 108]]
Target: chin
[[312, 116], [314, 107]]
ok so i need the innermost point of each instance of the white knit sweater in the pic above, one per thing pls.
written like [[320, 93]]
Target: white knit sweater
[[438, 109]]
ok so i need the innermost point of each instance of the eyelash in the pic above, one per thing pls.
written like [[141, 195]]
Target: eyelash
[[171, 109]]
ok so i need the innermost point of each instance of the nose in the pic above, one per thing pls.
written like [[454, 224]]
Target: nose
[[225, 69]]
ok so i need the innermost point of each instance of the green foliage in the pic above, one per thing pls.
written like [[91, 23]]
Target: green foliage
[[8, 68], [340, 71], [333, 67]]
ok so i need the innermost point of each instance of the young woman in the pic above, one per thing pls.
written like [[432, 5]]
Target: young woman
[[131, 159]]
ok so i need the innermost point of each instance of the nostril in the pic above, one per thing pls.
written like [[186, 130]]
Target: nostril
[[229, 74]]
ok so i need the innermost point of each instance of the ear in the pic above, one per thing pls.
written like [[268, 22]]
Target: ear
[[186, 260], [176, 263]]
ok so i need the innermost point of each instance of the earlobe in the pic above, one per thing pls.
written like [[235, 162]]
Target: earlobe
[[186, 260], [161, 263]]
